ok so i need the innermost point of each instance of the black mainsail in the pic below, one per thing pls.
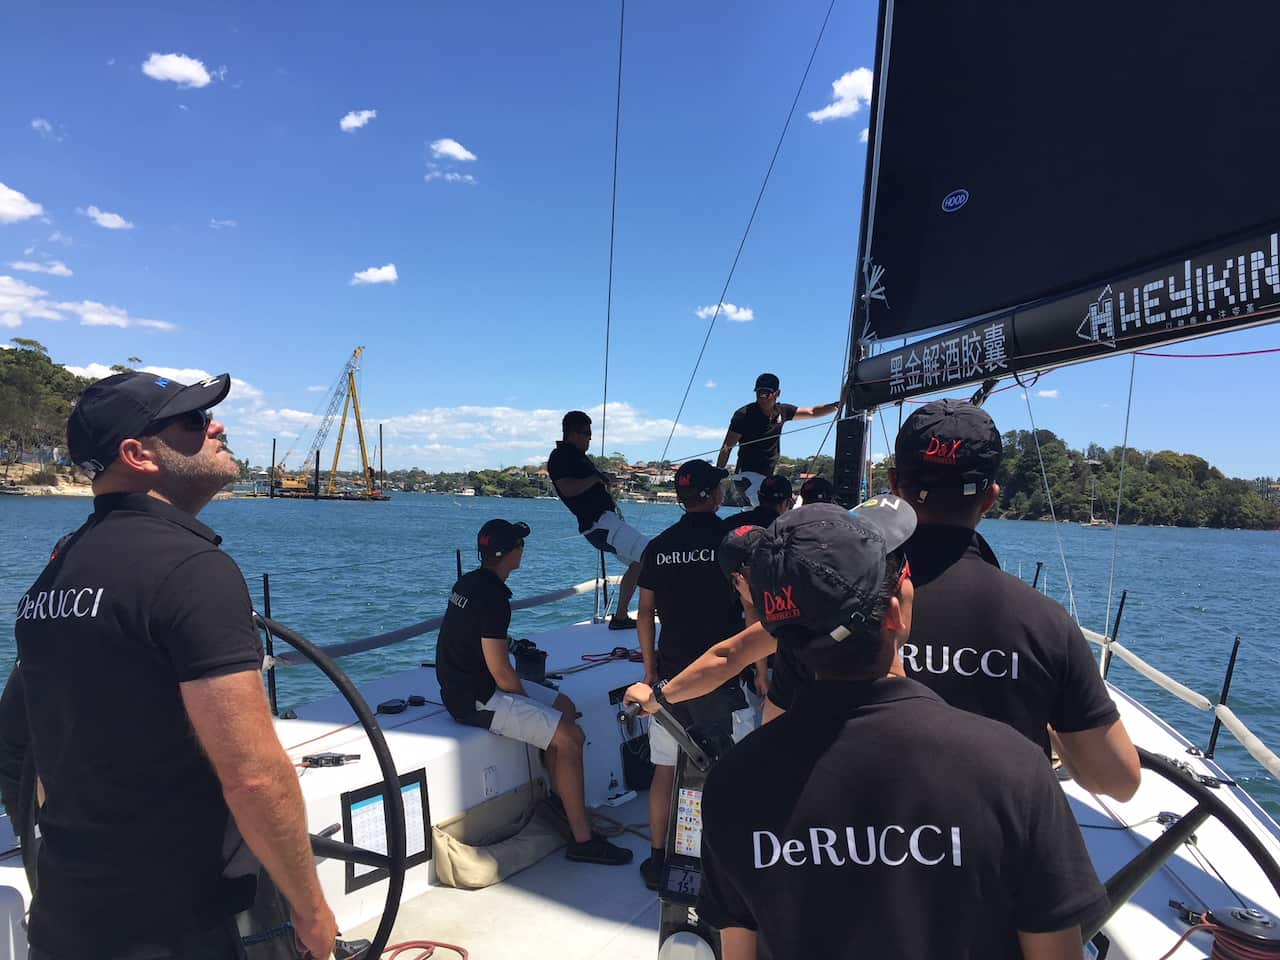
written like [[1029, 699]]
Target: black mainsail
[[1055, 183]]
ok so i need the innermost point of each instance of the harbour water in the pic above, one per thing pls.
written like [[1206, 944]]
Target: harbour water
[[344, 570]]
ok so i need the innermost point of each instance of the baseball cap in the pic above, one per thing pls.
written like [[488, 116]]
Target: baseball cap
[[737, 546], [818, 490], [496, 537], [124, 405], [695, 479], [819, 570], [949, 444], [775, 489], [767, 383]]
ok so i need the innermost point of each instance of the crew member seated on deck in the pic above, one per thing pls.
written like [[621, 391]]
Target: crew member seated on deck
[[681, 581], [757, 430], [889, 824], [987, 642], [585, 491], [141, 701], [480, 687]]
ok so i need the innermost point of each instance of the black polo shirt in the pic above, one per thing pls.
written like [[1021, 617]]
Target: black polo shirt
[[759, 445], [889, 825], [479, 606], [988, 643], [567, 461], [761, 516], [135, 825], [698, 607]]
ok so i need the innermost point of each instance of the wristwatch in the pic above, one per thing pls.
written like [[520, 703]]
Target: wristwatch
[[663, 702]]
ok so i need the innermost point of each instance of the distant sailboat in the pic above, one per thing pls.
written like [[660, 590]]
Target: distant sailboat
[[1095, 521]]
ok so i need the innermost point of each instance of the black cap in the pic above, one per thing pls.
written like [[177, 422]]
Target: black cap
[[818, 490], [124, 405], [775, 489], [949, 444], [696, 479], [767, 383], [498, 536], [737, 546], [821, 568]]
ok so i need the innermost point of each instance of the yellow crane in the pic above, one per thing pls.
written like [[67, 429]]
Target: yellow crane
[[344, 394]]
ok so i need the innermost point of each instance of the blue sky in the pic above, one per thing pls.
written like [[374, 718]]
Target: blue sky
[[201, 206]]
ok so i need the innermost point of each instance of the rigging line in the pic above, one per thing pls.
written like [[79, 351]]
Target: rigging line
[[1035, 433], [613, 221], [1115, 532], [1206, 356], [707, 453], [745, 233]]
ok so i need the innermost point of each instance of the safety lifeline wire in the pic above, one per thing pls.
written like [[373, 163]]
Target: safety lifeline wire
[[1124, 452], [1035, 433], [745, 233]]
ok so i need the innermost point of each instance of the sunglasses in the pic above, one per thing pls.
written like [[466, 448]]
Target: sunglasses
[[194, 421]]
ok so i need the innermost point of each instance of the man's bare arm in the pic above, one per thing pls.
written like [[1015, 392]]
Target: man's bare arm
[[821, 410], [1059, 945], [233, 723], [719, 664], [498, 660], [738, 943], [730, 441], [648, 635], [1102, 760]]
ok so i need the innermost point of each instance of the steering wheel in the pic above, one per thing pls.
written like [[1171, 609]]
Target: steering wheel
[[393, 861], [1126, 881]]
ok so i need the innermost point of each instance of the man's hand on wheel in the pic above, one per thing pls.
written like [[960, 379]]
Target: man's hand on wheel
[[641, 693], [315, 932]]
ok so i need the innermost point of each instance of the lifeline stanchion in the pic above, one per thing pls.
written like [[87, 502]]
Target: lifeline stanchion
[[270, 646], [1222, 699], [1115, 632]]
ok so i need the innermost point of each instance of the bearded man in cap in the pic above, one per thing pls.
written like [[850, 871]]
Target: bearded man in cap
[[149, 727], [681, 582], [889, 824], [756, 429], [987, 641], [480, 686]]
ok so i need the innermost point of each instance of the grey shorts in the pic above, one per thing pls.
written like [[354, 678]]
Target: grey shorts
[[530, 719]]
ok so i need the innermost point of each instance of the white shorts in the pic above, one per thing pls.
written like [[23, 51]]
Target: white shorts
[[664, 751], [530, 719], [748, 485], [610, 532]]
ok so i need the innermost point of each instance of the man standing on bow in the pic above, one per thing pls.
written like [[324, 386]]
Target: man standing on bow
[[149, 727], [584, 489], [756, 430]]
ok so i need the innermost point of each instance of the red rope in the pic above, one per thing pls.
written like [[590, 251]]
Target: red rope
[[1226, 945]]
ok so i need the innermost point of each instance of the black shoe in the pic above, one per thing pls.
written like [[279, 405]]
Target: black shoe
[[622, 623], [651, 871], [598, 850]]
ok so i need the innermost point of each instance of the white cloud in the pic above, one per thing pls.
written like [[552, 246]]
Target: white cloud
[[356, 119], [728, 311], [55, 268], [111, 221], [20, 301], [47, 130], [449, 177], [848, 94], [711, 384], [385, 274], [317, 388], [451, 149], [184, 108], [59, 237], [94, 314], [177, 68], [240, 390], [866, 132], [215, 224], [1048, 394], [15, 207]]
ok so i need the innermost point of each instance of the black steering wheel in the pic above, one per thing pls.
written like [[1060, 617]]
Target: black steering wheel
[[1126, 881], [393, 861]]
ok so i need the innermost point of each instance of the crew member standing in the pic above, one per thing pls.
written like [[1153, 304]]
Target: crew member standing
[[756, 429], [584, 489], [481, 688], [680, 580], [889, 824], [149, 727], [987, 641]]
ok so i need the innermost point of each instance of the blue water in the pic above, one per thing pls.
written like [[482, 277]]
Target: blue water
[[342, 570]]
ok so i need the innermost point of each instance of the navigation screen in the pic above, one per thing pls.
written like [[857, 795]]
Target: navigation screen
[[682, 882]]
